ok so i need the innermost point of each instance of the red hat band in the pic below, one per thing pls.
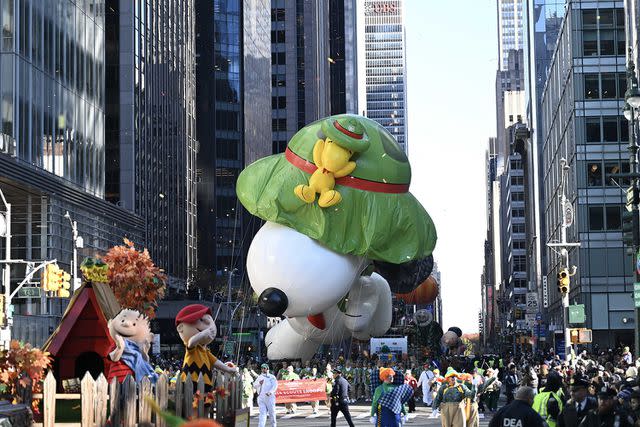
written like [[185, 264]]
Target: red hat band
[[346, 131]]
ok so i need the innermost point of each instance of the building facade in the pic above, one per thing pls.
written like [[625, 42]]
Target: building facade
[[150, 125], [582, 123], [234, 128], [313, 63], [542, 21], [52, 144], [510, 29], [382, 67]]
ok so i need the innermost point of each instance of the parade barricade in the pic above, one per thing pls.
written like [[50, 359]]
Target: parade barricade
[[295, 391], [126, 404]]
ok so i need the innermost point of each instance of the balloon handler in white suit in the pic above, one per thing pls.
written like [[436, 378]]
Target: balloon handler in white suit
[[266, 385], [329, 266]]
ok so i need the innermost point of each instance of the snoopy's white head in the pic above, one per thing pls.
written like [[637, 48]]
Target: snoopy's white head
[[295, 275]]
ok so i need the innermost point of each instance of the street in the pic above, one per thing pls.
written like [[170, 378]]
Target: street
[[359, 414]]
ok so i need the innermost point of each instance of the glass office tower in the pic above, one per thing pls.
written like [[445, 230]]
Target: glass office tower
[[382, 66], [151, 141], [52, 144]]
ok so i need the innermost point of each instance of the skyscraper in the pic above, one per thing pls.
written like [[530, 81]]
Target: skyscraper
[[52, 143], [510, 33], [382, 71], [234, 127], [150, 127], [313, 64], [592, 137]]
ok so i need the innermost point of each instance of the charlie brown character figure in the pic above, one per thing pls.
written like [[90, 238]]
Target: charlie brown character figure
[[132, 336], [196, 328]]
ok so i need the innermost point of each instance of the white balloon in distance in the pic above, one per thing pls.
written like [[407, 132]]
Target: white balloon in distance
[[367, 314], [283, 342], [313, 277], [368, 310]]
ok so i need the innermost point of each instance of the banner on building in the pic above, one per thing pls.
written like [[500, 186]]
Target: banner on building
[[301, 390]]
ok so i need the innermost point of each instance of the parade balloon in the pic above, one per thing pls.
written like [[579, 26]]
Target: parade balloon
[[339, 220], [450, 339], [457, 331], [426, 293]]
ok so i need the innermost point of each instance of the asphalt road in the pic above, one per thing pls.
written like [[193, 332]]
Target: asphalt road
[[359, 414]]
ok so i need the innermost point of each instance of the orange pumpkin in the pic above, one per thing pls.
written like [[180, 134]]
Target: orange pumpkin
[[425, 293]]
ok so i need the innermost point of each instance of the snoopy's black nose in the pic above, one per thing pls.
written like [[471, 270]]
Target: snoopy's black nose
[[273, 302]]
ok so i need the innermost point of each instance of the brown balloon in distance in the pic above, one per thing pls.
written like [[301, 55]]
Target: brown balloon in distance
[[425, 293]]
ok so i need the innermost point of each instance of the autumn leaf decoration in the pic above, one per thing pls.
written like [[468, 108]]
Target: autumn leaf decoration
[[22, 366], [135, 280]]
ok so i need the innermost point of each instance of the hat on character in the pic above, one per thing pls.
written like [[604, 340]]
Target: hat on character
[[191, 313], [264, 366], [451, 373]]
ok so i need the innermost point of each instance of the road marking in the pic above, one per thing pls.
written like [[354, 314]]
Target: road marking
[[362, 416]]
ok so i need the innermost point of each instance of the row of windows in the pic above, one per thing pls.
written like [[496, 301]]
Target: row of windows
[[518, 196], [519, 244], [277, 36], [606, 129], [605, 85], [603, 42], [605, 217], [517, 180], [278, 102], [278, 58], [597, 175], [277, 14], [603, 18]]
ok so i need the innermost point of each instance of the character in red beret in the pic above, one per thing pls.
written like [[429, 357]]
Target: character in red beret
[[197, 329]]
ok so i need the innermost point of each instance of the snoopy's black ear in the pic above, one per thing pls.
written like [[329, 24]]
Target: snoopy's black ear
[[403, 278]]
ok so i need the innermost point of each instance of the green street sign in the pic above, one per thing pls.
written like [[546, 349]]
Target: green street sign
[[636, 299], [636, 287], [576, 313], [28, 292]]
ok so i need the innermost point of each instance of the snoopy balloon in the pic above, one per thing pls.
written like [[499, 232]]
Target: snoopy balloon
[[313, 262]]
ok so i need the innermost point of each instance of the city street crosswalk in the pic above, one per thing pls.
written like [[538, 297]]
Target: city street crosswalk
[[360, 414]]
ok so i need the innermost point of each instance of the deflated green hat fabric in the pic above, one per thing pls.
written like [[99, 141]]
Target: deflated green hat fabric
[[390, 227]]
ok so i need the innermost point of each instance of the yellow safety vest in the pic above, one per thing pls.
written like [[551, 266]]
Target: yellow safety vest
[[540, 405]]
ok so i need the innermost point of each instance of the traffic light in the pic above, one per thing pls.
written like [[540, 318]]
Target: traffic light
[[564, 281], [630, 228], [63, 291], [574, 336], [49, 277]]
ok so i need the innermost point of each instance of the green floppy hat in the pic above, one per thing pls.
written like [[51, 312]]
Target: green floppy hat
[[347, 132], [377, 218]]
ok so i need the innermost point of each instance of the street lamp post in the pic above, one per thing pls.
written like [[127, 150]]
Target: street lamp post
[[567, 221], [77, 243], [5, 231], [631, 110], [229, 312]]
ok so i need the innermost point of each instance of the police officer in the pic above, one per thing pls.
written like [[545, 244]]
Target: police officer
[[519, 412], [340, 398], [608, 413], [578, 406], [266, 385]]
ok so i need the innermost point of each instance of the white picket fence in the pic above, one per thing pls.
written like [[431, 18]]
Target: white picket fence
[[126, 404]]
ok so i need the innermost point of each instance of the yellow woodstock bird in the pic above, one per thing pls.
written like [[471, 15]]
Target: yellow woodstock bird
[[332, 157]]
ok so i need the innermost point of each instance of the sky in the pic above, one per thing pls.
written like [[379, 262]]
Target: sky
[[452, 57]]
